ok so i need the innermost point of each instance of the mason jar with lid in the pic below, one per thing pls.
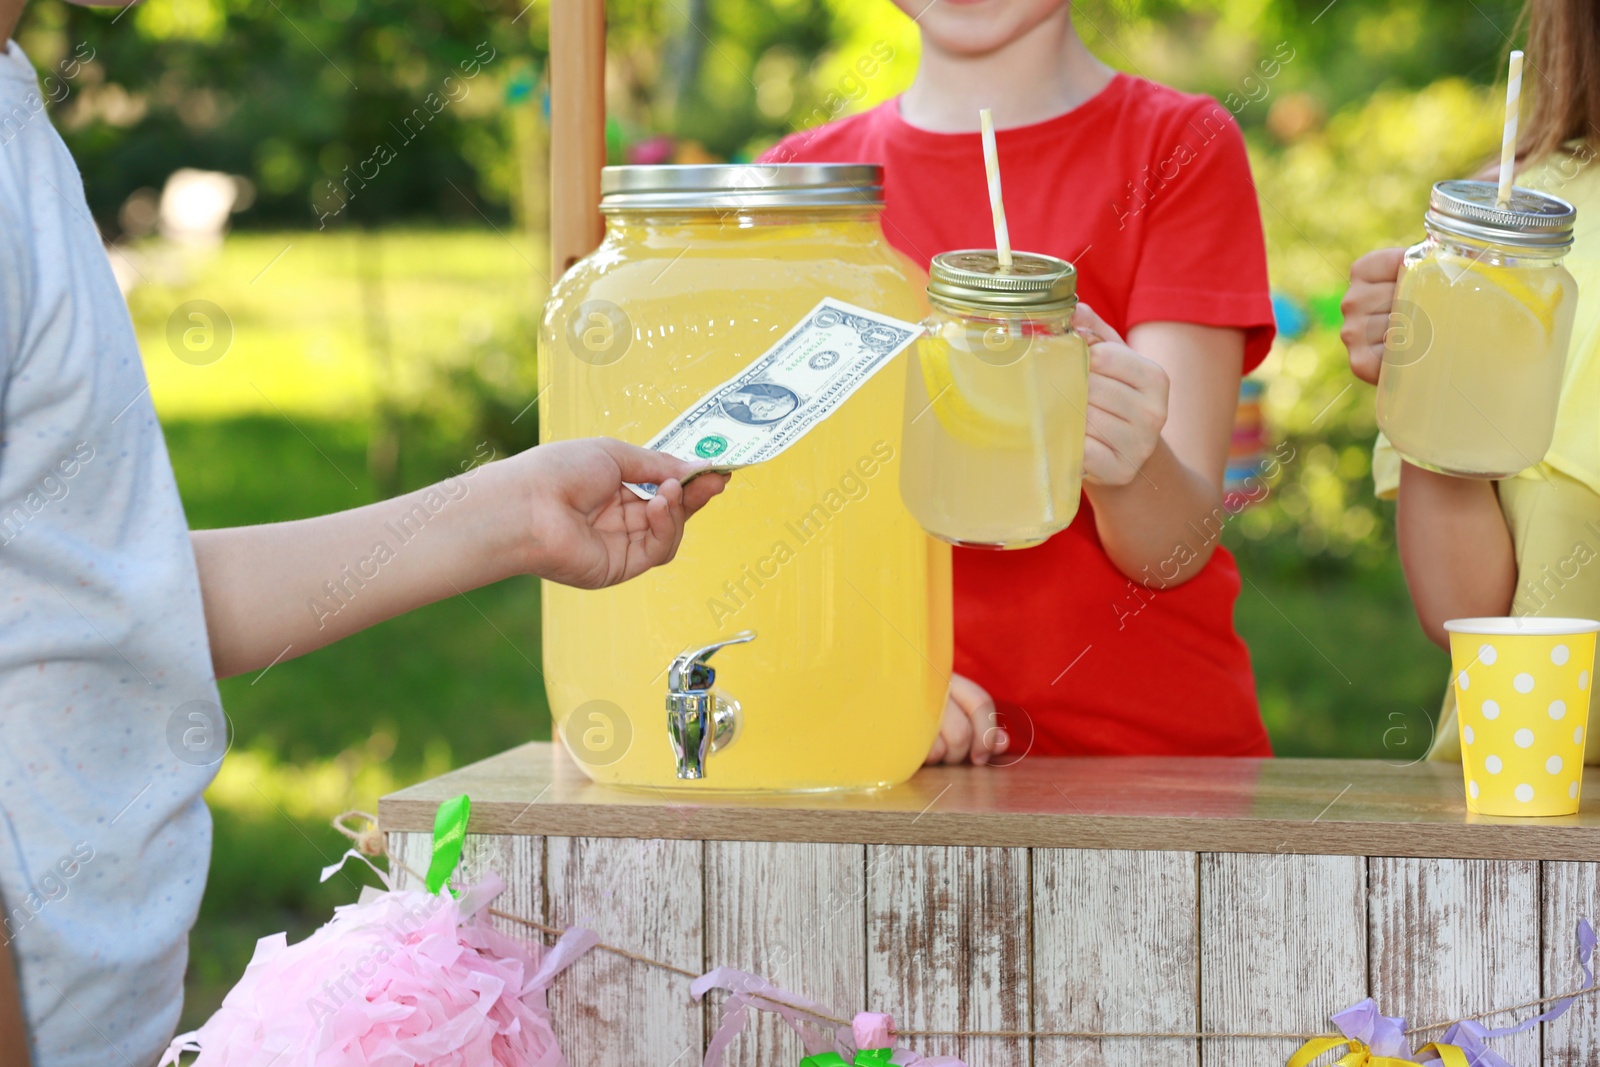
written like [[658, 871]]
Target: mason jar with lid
[[702, 269], [996, 398], [1477, 343]]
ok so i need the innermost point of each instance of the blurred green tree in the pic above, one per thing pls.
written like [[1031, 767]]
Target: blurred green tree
[[309, 97], [1346, 49], [386, 109]]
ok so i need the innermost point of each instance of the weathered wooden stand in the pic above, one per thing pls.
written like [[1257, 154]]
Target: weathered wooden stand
[[1133, 894]]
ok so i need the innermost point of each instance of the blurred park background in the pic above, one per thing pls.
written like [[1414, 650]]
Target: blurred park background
[[378, 339]]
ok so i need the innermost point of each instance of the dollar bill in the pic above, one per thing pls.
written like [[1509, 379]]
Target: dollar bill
[[787, 390]]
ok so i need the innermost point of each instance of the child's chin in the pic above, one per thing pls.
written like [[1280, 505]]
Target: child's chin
[[976, 27]]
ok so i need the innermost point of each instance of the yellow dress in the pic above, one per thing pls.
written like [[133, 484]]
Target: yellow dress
[[1552, 509]]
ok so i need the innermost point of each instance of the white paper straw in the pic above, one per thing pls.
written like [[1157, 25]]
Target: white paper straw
[[1508, 146], [991, 163]]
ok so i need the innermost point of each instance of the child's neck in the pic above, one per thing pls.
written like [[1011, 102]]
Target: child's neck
[[1044, 73]]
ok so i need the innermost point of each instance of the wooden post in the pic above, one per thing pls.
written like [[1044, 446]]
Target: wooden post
[[577, 129]]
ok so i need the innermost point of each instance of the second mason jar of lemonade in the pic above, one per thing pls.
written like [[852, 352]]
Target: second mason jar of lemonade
[[1477, 341], [996, 401], [702, 269]]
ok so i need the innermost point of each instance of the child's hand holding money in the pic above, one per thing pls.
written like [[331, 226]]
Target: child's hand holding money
[[559, 511], [585, 529]]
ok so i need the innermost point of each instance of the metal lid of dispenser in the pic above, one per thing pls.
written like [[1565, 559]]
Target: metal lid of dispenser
[[674, 187], [1531, 220], [973, 280]]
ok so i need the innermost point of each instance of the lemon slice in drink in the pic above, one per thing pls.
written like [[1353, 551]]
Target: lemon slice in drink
[[1540, 301], [969, 413]]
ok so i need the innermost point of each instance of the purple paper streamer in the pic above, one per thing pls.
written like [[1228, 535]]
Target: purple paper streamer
[[1385, 1035], [1470, 1035]]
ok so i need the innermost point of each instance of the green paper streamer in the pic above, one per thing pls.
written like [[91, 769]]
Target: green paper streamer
[[874, 1057], [449, 834], [824, 1059]]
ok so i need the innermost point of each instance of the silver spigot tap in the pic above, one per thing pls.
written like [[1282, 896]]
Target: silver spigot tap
[[700, 720]]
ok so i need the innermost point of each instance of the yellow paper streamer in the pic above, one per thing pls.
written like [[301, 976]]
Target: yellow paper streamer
[[1362, 1056]]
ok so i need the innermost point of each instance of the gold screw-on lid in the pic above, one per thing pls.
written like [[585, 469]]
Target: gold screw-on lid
[[973, 280]]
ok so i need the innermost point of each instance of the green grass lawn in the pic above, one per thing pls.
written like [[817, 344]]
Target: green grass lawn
[[324, 324], [1342, 667]]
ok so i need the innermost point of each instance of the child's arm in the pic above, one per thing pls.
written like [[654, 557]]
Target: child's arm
[[559, 511], [1454, 544], [1153, 469], [1455, 548]]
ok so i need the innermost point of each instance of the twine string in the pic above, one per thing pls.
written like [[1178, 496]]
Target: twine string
[[368, 842], [371, 842]]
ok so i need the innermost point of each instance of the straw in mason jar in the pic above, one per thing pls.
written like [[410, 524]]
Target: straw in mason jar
[[991, 164], [1508, 145]]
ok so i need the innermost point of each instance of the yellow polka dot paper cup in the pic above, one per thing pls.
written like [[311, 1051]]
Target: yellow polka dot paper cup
[[1522, 699]]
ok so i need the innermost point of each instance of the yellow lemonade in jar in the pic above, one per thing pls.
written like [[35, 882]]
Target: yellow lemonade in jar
[[1477, 345], [995, 403], [850, 601]]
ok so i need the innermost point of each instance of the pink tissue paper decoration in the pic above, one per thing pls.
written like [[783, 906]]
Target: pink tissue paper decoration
[[399, 979], [807, 1018]]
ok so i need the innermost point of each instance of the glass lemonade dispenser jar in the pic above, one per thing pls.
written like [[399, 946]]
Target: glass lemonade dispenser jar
[[827, 607], [1477, 343]]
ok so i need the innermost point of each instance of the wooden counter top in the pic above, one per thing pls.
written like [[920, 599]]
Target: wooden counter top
[[1326, 807]]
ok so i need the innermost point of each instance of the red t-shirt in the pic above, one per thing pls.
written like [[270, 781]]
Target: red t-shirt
[[1148, 191]]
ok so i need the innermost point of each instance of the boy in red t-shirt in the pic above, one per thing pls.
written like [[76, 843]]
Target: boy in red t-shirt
[[1116, 635]]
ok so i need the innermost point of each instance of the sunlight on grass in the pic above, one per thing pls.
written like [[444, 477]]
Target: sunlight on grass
[[324, 324], [254, 783]]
